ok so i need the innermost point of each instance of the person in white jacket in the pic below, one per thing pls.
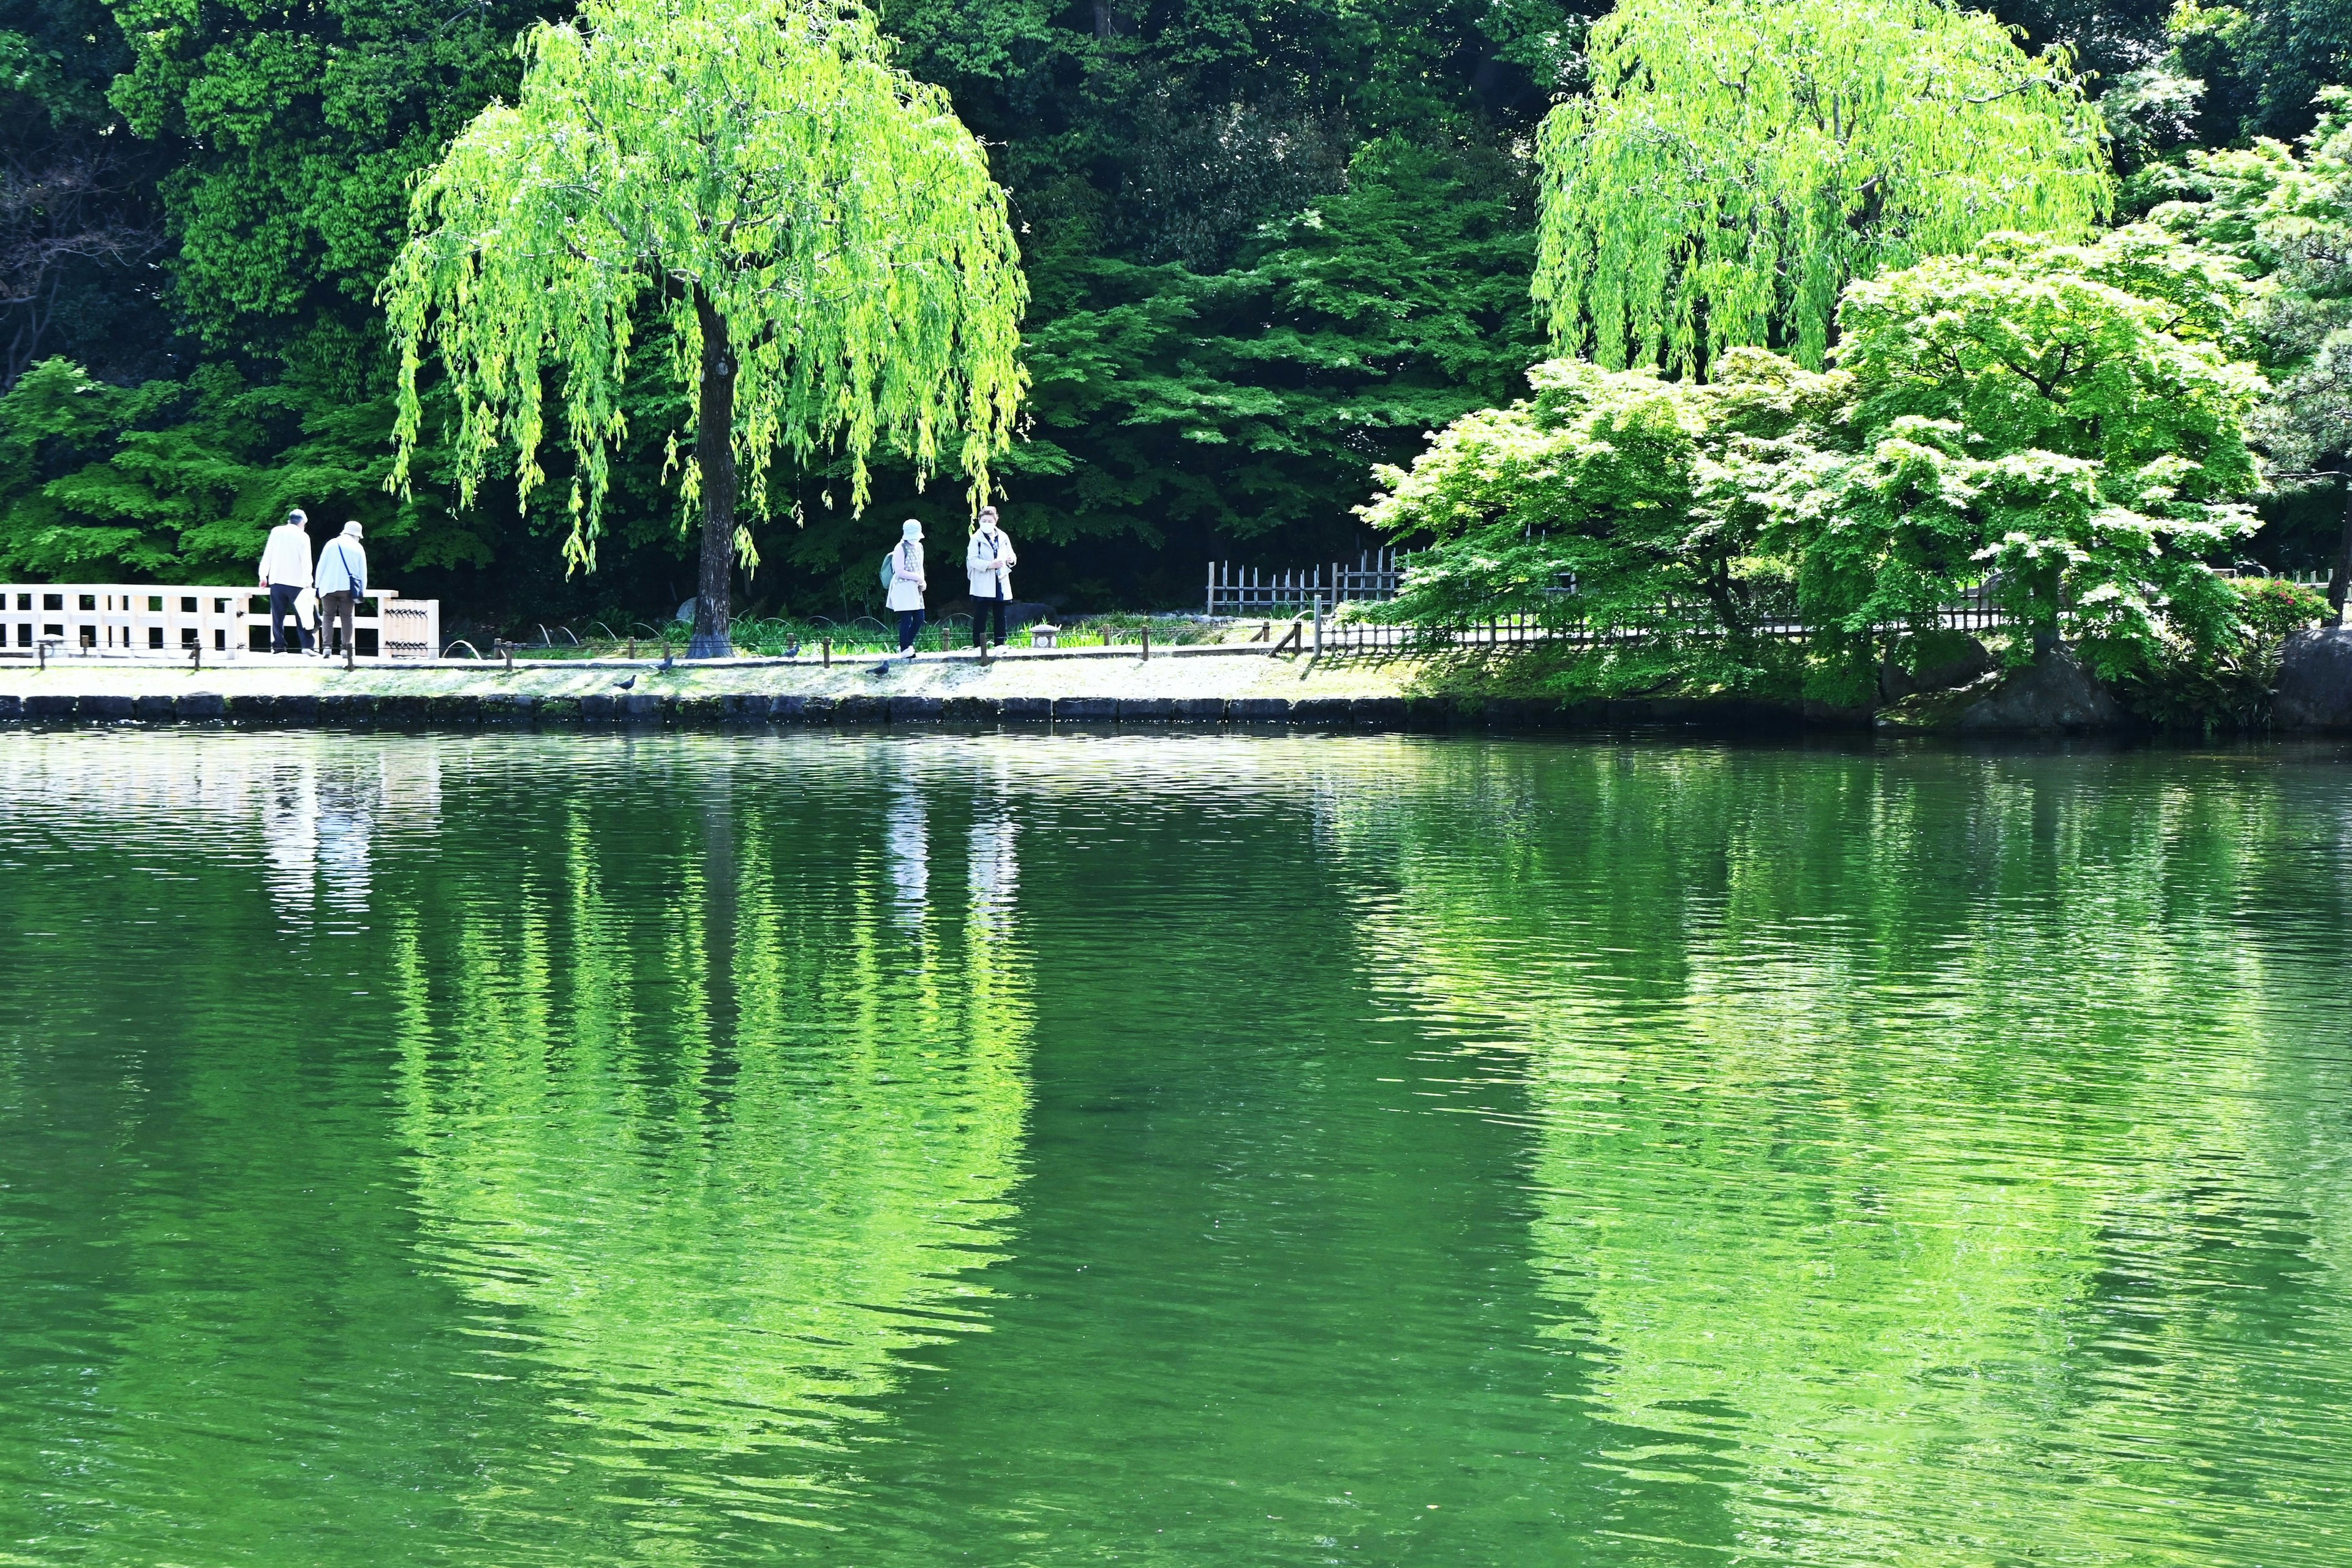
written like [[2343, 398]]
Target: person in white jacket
[[286, 571], [342, 583], [907, 585], [988, 563]]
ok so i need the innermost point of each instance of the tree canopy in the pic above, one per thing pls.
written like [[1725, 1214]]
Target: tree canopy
[[1737, 162], [1613, 499], [2061, 428], [2286, 218], [817, 234], [2065, 421], [1268, 247], [1265, 247]]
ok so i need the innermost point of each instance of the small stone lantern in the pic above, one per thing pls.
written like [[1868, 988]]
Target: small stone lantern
[[1044, 633]]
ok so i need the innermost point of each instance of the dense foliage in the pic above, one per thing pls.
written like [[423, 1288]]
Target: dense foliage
[[2060, 428], [1611, 498], [810, 232], [1737, 162], [2062, 422], [2287, 219], [1268, 246], [1265, 248]]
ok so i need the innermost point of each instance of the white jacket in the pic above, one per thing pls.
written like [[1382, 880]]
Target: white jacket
[[342, 566], [286, 560], [906, 576], [988, 562]]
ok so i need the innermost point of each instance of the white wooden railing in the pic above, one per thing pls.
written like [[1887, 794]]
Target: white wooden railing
[[150, 621]]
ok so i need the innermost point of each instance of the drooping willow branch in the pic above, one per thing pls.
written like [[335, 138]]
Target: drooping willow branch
[[753, 169], [1738, 162]]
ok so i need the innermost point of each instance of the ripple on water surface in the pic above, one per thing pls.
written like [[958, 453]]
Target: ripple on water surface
[[694, 1149]]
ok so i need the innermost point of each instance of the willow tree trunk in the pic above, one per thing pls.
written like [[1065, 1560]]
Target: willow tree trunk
[[714, 454]]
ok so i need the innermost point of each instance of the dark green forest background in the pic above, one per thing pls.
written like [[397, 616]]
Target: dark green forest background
[[1269, 244]]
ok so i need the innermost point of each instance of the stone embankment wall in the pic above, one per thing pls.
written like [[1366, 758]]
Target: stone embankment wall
[[1190, 686], [457, 709], [1186, 686]]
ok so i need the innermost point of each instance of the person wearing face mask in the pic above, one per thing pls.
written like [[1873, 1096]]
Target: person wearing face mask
[[904, 570], [988, 563]]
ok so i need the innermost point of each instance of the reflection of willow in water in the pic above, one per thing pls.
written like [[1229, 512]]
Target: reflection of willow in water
[[1915, 1159], [711, 1148]]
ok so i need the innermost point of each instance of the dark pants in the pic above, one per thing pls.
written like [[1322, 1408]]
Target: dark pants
[[910, 627], [281, 610], [982, 609], [334, 607]]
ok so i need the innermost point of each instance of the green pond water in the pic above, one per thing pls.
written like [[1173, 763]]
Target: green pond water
[[711, 1150]]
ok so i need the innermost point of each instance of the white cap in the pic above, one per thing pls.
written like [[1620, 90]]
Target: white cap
[[911, 529]]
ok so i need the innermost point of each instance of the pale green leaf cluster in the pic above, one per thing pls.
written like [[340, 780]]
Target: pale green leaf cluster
[[1740, 162], [2061, 427], [2285, 215], [2065, 420], [1611, 498], [761, 156]]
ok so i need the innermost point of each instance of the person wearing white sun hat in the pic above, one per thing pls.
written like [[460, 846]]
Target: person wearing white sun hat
[[342, 583], [907, 584]]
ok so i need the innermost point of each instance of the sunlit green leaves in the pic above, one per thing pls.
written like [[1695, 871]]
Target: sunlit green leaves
[[2064, 424], [1739, 161], [763, 158], [1611, 496], [2286, 216], [2018, 413]]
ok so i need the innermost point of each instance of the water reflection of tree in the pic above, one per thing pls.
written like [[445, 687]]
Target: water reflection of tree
[[1925, 1146], [711, 1246]]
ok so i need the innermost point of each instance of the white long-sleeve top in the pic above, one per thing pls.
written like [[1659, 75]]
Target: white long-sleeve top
[[988, 563], [286, 560]]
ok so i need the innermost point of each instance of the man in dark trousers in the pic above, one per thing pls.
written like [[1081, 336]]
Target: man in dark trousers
[[286, 571], [988, 563]]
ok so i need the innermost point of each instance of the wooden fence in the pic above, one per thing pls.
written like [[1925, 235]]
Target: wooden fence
[[150, 621], [1974, 611], [1251, 591]]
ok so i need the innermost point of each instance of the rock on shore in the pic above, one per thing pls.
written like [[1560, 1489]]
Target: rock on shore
[[2315, 686], [2055, 692]]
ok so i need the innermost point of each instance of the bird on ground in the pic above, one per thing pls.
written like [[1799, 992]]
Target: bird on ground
[[625, 685]]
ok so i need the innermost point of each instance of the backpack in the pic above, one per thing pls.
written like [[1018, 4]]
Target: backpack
[[889, 563]]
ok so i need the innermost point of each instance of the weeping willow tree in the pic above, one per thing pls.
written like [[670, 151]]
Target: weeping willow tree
[[809, 234], [1738, 162]]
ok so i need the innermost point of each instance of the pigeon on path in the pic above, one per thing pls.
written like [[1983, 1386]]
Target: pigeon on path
[[625, 685]]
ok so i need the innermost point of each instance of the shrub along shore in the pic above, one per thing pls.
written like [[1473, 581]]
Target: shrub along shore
[[1194, 685]]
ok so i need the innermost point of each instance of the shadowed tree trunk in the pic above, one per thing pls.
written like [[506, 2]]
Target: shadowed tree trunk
[[2342, 577], [714, 451]]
